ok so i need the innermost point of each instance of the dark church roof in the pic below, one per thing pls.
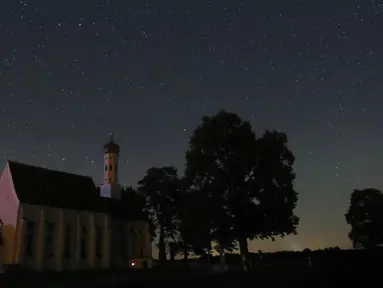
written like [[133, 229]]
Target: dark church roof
[[45, 187], [111, 147]]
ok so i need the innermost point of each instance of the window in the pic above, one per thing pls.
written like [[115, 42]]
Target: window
[[106, 167], [1, 231], [122, 244], [49, 239], [1, 238], [110, 167], [98, 242], [29, 239], [68, 242], [83, 241]]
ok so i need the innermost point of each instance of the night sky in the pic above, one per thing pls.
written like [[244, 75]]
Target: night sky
[[71, 72]]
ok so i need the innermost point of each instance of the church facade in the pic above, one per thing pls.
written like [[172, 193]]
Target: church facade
[[61, 221]]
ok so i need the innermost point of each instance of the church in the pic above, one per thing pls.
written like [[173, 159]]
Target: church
[[53, 220]]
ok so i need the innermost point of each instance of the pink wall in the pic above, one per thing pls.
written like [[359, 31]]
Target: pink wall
[[9, 202]]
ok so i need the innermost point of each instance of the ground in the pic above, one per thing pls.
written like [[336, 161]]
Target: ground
[[332, 268], [261, 277]]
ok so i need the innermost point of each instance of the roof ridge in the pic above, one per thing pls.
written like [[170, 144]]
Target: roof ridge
[[48, 169]]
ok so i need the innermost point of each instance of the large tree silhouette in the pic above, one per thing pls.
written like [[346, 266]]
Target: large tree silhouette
[[365, 215], [160, 187], [250, 178]]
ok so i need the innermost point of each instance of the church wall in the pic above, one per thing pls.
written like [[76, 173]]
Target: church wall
[[106, 260], [9, 202], [119, 249], [101, 232], [85, 240], [8, 233], [52, 243], [69, 239], [140, 244], [60, 239], [140, 235], [18, 237], [31, 236]]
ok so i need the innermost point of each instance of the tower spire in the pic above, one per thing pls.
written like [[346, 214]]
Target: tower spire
[[111, 137]]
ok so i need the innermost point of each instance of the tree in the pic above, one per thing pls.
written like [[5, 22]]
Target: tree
[[160, 187], [175, 247], [202, 218], [250, 179], [365, 215], [187, 228], [135, 204]]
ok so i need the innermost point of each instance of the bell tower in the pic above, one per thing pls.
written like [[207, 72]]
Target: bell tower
[[110, 187], [111, 153]]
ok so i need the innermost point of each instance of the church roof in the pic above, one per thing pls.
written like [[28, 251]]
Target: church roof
[[40, 186]]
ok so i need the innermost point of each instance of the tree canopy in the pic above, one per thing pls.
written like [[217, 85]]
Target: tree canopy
[[365, 215], [246, 181]]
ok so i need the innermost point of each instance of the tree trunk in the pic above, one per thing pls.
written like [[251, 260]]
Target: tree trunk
[[161, 244], [222, 258], [172, 256], [186, 252], [209, 254], [244, 252]]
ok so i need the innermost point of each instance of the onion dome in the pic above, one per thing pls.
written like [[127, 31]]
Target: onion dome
[[111, 147]]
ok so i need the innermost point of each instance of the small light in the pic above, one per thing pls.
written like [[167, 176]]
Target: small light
[[133, 263]]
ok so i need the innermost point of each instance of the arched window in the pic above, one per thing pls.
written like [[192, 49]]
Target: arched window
[[49, 239], [68, 242], [98, 242], [84, 238], [30, 239]]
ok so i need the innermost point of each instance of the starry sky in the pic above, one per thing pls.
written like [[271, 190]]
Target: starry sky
[[71, 72]]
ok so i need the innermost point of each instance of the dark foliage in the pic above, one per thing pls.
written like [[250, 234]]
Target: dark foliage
[[160, 188], [134, 202], [245, 182], [365, 215]]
